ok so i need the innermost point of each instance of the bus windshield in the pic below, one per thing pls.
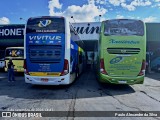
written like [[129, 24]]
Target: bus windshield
[[43, 25], [14, 53], [123, 27]]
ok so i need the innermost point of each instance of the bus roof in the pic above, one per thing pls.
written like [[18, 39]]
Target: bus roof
[[46, 17], [15, 48], [122, 19]]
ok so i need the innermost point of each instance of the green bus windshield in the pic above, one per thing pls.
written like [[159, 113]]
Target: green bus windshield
[[123, 27]]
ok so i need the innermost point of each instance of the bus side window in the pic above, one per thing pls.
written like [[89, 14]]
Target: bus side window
[[71, 63], [71, 59]]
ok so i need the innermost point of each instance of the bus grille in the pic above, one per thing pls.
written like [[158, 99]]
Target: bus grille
[[123, 50]]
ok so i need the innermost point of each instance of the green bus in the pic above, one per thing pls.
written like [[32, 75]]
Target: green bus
[[122, 52]]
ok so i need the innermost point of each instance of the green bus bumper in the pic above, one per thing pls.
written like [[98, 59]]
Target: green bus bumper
[[121, 80]]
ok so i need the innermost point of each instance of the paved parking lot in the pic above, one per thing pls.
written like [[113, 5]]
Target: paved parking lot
[[85, 94]]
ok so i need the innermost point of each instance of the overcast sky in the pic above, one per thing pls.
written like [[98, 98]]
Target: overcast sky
[[81, 10]]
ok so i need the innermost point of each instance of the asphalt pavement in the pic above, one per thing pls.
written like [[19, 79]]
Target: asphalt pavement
[[85, 94]]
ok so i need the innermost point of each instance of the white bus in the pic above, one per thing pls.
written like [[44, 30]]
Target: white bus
[[53, 52]]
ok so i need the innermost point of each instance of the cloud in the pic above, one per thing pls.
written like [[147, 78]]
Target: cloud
[[52, 5], [157, 4], [132, 6], [128, 7], [150, 19], [4, 20], [116, 2], [141, 3], [102, 2], [119, 16], [86, 13]]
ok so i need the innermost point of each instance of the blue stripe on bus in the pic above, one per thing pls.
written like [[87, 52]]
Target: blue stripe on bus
[[74, 55]]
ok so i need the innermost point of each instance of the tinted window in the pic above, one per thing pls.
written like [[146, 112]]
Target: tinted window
[[45, 25], [2, 54], [124, 27]]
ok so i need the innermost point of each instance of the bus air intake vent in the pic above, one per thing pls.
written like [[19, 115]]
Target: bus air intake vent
[[123, 50], [45, 54]]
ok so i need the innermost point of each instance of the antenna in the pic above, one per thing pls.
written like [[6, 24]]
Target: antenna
[[73, 19], [23, 19], [100, 18]]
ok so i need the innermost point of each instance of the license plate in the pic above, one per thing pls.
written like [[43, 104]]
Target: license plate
[[44, 79], [122, 81]]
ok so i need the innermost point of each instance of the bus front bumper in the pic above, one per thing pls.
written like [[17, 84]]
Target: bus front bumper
[[121, 80], [45, 80]]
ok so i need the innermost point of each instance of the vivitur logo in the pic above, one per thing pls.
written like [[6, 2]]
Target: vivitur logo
[[44, 23]]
